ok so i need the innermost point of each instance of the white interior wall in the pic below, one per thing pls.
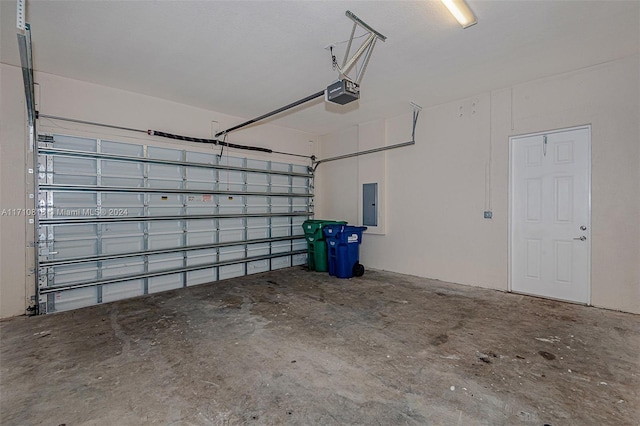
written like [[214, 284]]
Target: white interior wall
[[372, 168], [336, 186], [65, 97], [438, 189], [13, 239]]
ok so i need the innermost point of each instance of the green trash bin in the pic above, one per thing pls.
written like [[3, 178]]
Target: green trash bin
[[316, 244]]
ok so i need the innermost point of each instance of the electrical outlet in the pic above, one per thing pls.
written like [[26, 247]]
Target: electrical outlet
[[488, 214]]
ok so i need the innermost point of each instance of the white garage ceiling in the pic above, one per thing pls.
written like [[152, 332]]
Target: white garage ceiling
[[245, 58]]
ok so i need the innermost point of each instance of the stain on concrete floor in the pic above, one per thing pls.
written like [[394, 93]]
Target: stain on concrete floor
[[299, 347]]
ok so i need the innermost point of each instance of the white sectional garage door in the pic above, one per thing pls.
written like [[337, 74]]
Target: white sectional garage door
[[118, 220]]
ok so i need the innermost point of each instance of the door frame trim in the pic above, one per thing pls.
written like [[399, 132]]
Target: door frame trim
[[510, 203]]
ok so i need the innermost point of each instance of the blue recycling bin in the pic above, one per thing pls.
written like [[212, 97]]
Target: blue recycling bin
[[343, 246]]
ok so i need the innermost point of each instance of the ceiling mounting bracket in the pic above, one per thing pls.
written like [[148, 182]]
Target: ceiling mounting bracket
[[364, 51]]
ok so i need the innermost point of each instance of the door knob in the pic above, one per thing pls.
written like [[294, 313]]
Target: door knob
[[582, 238], [583, 228]]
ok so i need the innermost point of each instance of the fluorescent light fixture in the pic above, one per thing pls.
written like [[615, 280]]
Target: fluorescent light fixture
[[461, 11]]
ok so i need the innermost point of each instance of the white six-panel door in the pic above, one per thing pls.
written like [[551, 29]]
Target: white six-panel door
[[550, 214]]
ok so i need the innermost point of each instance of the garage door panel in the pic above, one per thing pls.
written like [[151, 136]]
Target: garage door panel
[[257, 227], [232, 253], [280, 247], [73, 232], [299, 259], [202, 276], [74, 299], [159, 227], [232, 161], [280, 226], [202, 257], [196, 225], [258, 249], [296, 225], [202, 237], [257, 205], [118, 228], [201, 157], [121, 205], [280, 184], [123, 290], [300, 244], [119, 268], [201, 210], [200, 204], [257, 164], [164, 184], [281, 262], [120, 148], [164, 283], [164, 241], [232, 177], [122, 169], [257, 182], [298, 204], [75, 248], [74, 171], [165, 204], [159, 262], [281, 167], [76, 143], [299, 168], [200, 174], [164, 172], [164, 175], [63, 275], [257, 222], [122, 182], [231, 204], [231, 230], [300, 185], [257, 266], [231, 223], [231, 271], [257, 233], [122, 229], [74, 203], [164, 153], [280, 205], [280, 231], [117, 245]]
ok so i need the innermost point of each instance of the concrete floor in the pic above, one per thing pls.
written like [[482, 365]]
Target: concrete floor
[[294, 347]]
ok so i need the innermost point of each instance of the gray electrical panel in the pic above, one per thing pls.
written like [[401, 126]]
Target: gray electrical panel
[[370, 204]]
